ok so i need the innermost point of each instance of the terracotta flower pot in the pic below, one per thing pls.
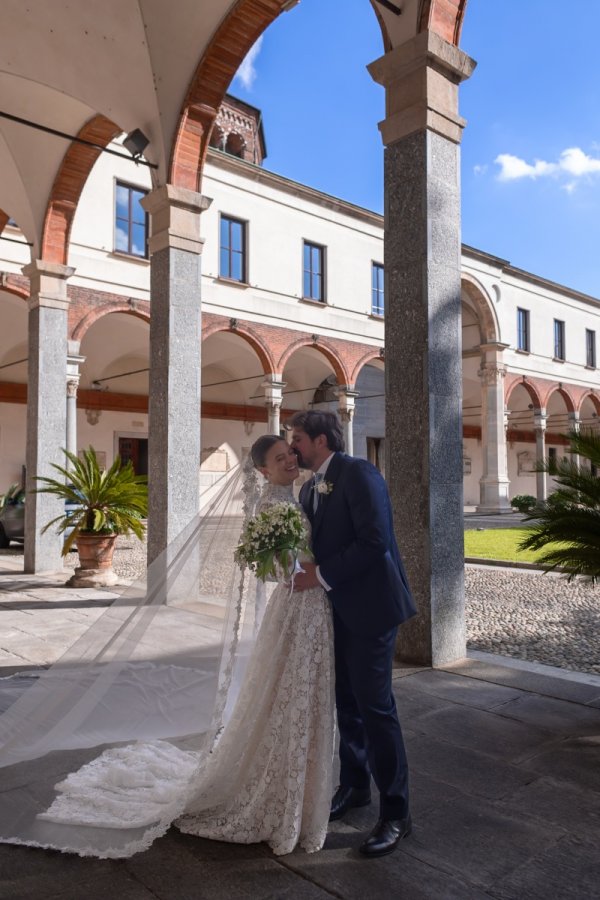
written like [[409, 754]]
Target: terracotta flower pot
[[96, 550], [95, 561]]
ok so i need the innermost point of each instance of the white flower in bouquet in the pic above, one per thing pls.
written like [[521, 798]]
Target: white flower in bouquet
[[276, 536]]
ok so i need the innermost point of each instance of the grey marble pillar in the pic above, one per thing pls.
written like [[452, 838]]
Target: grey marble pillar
[[539, 425], [494, 484], [175, 378], [422, 131], [46, 408]]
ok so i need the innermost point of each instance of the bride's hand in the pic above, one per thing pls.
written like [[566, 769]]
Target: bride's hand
[[307, 579]]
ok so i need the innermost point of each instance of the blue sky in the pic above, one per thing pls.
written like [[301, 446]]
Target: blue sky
[[531, 149]]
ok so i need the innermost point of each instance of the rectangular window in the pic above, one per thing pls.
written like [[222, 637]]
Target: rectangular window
[[377, 296], [523, 329], [131, 221], [559, 339], [590, 348], [313, 286], [232, 262]]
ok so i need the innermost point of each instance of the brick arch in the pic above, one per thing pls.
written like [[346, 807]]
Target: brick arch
[[374, 354], [14, 284], [589, 395], [76, 166], [240, 29], [559, 389], [484, 307], [4, 217], [341, 373], [247, 334], [445, 17], [387, 44], [139, 308], [531, 389]]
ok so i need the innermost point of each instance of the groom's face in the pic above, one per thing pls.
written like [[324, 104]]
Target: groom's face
[[309, 452]]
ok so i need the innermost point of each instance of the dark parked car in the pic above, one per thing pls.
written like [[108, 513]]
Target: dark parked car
[[12, 518]]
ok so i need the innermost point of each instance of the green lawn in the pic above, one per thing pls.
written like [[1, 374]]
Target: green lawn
[[499, 543]]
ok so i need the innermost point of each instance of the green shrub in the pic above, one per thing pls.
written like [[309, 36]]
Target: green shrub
[[523, 502]]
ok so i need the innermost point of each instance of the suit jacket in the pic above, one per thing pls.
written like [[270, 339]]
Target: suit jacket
[[355, 547]]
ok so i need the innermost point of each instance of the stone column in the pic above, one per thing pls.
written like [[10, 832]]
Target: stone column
[[575, 425], [46, 408], [347, 406], [422, 132], [74, 360], [174, 401], [539, 424], [494, 484], [273, 387]]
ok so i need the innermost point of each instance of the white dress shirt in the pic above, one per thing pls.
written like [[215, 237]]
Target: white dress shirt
[[322, 471]]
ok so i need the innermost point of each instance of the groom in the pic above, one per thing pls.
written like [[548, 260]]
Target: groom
[[358, 563]]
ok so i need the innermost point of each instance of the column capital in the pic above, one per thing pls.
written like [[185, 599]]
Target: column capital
[[421, 79], [175, 214], [492, 373], [48, 284], [347, 399], [539, 419]]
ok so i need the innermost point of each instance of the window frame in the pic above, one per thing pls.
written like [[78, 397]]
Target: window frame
[[590, 345], [523, 345], [321, 275], [560, 349], [223, 216], [378, 311], [130, 223]]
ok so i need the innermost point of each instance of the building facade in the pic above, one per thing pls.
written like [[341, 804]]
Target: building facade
[[292, 316]]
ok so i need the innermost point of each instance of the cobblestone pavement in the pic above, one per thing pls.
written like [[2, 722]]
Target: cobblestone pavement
[[527, 615], [517, 613]]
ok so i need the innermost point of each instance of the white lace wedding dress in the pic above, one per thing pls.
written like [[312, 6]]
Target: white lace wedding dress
[[268, 778]]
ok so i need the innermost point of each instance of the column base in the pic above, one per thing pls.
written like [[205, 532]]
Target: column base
[[493, 499]]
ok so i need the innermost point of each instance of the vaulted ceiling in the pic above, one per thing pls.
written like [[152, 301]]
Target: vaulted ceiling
[[96, 69]]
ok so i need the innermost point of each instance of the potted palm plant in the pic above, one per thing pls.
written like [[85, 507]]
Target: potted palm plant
[[99, 506]]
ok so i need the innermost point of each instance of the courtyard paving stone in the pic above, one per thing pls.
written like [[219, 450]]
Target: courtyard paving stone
[[505, 783]]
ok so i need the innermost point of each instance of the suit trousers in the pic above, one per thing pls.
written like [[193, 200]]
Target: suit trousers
[[371, 741]]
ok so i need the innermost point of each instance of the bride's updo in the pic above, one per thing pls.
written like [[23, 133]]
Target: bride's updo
[[261, 447]]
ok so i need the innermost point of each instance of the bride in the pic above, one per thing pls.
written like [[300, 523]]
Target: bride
[[234, 763], [270, 777]]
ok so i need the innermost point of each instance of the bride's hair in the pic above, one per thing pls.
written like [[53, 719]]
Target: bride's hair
[[261, 447]]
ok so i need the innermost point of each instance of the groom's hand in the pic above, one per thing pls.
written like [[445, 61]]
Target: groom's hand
[[307, 579]]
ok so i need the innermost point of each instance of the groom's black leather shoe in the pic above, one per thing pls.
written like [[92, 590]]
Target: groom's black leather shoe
[[386, 836], [346, 798]]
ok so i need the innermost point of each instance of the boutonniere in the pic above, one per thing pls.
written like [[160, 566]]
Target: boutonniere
[[324, 487]]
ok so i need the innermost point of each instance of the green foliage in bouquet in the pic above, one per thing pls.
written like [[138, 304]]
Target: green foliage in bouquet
[[275, 537]]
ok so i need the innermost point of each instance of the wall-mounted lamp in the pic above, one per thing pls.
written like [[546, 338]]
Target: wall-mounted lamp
[[136, 142]]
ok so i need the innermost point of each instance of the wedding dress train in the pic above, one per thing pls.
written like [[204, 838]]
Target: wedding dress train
[[267, 777]]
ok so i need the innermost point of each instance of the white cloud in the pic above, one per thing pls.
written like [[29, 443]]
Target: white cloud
[[247, 71], [480, 170], [573, 163], [576, 162], [512, 168]]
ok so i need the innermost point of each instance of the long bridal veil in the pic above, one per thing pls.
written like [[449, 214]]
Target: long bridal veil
[[97, 753]]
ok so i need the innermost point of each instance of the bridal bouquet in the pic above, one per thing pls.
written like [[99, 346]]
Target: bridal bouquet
[[273, 538]]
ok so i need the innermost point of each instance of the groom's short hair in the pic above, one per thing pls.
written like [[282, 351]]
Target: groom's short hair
[[315, 423]]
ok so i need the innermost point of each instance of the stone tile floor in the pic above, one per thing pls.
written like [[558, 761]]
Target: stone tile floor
[[505, 770]]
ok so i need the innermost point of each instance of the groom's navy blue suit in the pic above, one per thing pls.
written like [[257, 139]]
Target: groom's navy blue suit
[[356, 551]]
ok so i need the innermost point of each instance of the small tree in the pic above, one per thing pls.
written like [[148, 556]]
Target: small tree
[[570, 518]]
